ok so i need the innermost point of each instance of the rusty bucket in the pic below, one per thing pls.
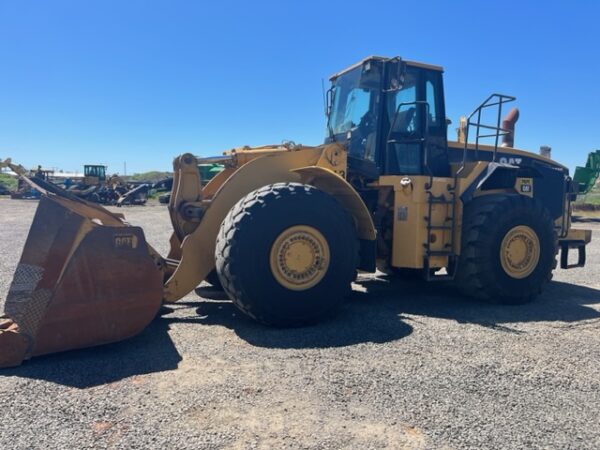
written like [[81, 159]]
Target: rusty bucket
[[85, 278]]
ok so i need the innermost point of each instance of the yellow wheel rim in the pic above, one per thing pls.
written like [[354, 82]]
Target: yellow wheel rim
[[299, 257], [520, 252]]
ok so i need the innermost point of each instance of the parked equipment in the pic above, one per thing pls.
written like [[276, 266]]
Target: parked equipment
[[98, 188], [207, 172], [94, 174], [286, 227], [137, 195], [587, 177], [24, 191]]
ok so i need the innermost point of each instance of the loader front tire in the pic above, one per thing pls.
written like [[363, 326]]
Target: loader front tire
[[508, 249], [213, 279], [286, 254]]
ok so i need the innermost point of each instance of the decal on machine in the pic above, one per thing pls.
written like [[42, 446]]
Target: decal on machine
[[126, 241], [402, 213], [513, 161]]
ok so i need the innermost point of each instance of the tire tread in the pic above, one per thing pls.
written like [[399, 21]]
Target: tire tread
[[241, 215]]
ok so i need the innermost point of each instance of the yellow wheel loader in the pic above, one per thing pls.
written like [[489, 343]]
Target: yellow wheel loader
[[285, 228]]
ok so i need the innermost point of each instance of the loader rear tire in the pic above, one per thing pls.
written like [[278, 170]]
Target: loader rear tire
[[508, 249], [286, 254]]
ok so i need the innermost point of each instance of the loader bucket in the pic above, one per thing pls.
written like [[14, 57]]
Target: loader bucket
[[85, 278]]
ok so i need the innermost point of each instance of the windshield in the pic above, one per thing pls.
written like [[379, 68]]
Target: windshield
[[353, 112], [95, 171]]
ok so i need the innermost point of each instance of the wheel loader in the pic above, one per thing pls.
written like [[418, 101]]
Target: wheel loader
[[285, 228]]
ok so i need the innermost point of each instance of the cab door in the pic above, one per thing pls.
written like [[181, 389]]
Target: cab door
[[404, 138], [416, 138], [435, 144]]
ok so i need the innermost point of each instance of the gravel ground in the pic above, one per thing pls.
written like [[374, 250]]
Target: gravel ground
[[405, 365]]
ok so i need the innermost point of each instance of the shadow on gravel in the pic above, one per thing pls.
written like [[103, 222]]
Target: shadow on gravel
[[374, 313], [562, 302], [358, 322], [378, 311], [149, 352]]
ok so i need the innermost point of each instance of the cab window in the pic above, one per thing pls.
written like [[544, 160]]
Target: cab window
[[431, 113], [435, 117], [404, 154], [401, 106]]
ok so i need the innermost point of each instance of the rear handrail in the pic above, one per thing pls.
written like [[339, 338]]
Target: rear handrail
[[497, 100]]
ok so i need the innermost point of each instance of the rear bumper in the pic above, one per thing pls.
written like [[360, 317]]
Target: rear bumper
[[575, 239]]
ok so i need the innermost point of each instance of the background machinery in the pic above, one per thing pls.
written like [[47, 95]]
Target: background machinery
[[97, 187], [587, 177], [207, 172], [285, 228]]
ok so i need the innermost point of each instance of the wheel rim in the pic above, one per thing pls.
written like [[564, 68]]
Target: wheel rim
[[299, 257], [520, 252]]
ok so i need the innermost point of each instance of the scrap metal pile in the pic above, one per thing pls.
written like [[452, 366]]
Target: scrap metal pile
[[94, 186]]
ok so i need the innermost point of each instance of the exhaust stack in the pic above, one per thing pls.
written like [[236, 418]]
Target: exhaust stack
[[546, 151], [508, 125]]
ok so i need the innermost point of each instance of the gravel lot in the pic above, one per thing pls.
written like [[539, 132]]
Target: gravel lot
[[405, 365]]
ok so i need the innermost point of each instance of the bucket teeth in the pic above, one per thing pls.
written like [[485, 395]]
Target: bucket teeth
[[5, 323], [13, 345]]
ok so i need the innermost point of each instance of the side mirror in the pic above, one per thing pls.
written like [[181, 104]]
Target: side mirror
[[371, 75], [328, 101]]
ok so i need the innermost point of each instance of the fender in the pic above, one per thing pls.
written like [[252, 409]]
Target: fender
[[330, 182], [336, 186], [498, 176], [198, 248]]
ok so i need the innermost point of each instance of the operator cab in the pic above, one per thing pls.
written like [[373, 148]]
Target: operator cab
[[390, 115], [95, 171]]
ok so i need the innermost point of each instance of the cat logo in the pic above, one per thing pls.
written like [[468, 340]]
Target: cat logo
[[512, 161]]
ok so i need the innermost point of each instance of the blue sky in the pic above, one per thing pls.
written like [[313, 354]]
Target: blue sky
[[143, 81]]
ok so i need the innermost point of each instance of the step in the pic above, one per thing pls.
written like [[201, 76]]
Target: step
[[442, 202], [440, 278], [447, 219]]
